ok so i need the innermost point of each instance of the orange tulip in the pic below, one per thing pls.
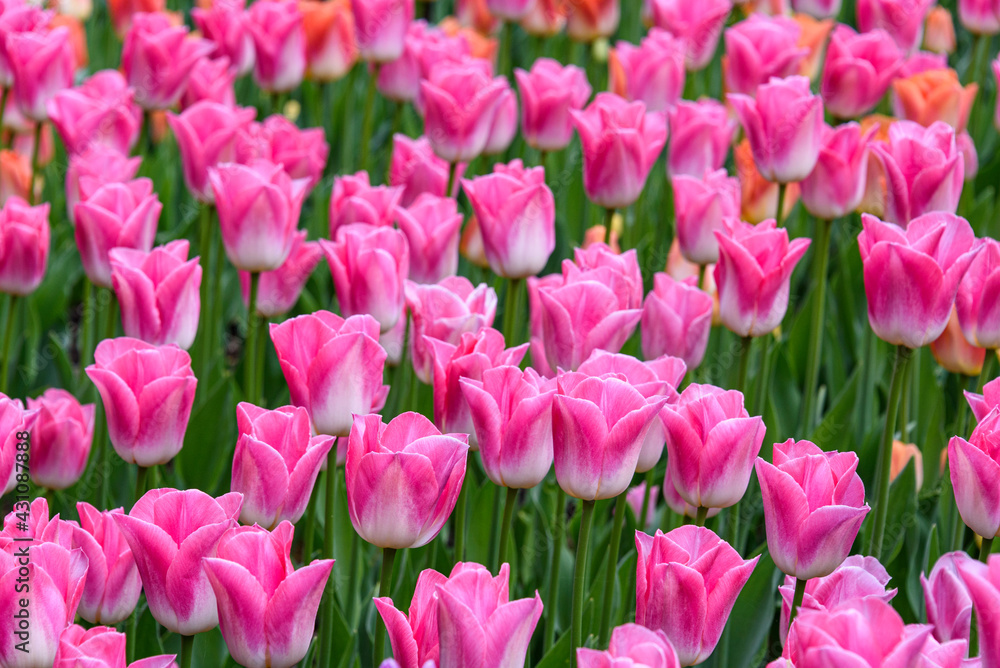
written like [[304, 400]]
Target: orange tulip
[[77, 36], [476, 15], [15, 175], [591, 19], [758, 196], [122, 11], [934, 95], [939, 31], [545, 18], [331, 50], [954, 353], [814, 36], [902, 453], [480, 46]]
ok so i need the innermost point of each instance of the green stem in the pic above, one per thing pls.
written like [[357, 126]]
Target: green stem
[[452, 175], [609, 574], [903, 421], [368, 120], [87, 333], [701, 516], [821, 259], [326, 637], [34, 161], [261, 347], [250, 345], [980, 54], [187, 651], [506, 46], [132, 635], [8, 336], [505, 528], [217, 312], [355, 571], [763, 379], [800, 592], [609, 217], [741, 373], [885, 455], [511, 311], [309, 539], [984, 551], [207, 321], [141, 474], [580, 578], [4, 96], [778, 213], [460, 507], [643, 522], [986, 371], [558, 536], [384, 589], [702, 268]]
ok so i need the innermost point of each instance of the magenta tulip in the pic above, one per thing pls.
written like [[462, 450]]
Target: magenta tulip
[[632, 646], [676, 320], [700, 136], [699, 24], [369, 266], [24, 246], [627, 280], [170, 533], [355, 200], [784, 125], [814, 504], [620, 144], [445, 311], [977, 301], [55, 578], [147, 392], [95, 166], [947, 598], [210, 81], [279, 43], [19, 18], [416, 169], [276, 463], [301, 152], [403, 479], [224, 23], [548, 92], [101, 110], [279, 289], [431, 225], [912, 275], [982, 404], [755, 266], [460, 102], [333, 367], [712, 443], [101, 647], [267, 608], [38, 510], [15, 421], [652, 73], [424, 46], [43, 64], [157, 58], [381, 28], [836, 186], [702, 205], [858, 70], [975, 475], [687, 582], [206, 134], [902, 19], [61, 438], [983, 582], [760, 48], [259, 206], [980, 17]]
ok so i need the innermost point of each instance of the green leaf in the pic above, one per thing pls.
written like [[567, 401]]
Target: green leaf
[[559, 655]]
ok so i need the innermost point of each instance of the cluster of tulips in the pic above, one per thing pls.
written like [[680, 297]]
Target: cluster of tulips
[[645, 337]]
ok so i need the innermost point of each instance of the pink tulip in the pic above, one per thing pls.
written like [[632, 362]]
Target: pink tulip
[[784, 125], [415, 169], [983, 582], [857, 577], [836, 186], [158, 292], [276, 463], [474, 353], [116, 215], [302, 153], [627, 282], [548, 92], [599, 425], [980, 17], [755, 266], [712, 443], [101, 110], [43, 64], [636, 498], [55, 579], [445, 311], [819, 9], [355, 200], [760, 48], [699, 24], [982, 404], [157, 58], [212, 81], [259, 206], [95, 166], [403, 479], [267, 608], [687, 582], [381, 28], [113, 585], [975, 475], [902, 19], [24, 246], [101, 647], [333, 367], [460, 101], [620, 144], [702, 205], [632, 646], [170, 533], [147, 392], [858, 70], [863, 631], [512, 416], [399, 80], [279, 289], [431, 226], [369, 266], [509, 10], [652, 73], [912, 275], [466, 619], [206, 133], [18, 18], [38, 509], [977, 299], [947, 598], [924, 170], [676, 320], [814, 504], [225, 24], [503, 127], [60, 439], [279, 43], [14, 420], [516, 214], [700, 136]]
